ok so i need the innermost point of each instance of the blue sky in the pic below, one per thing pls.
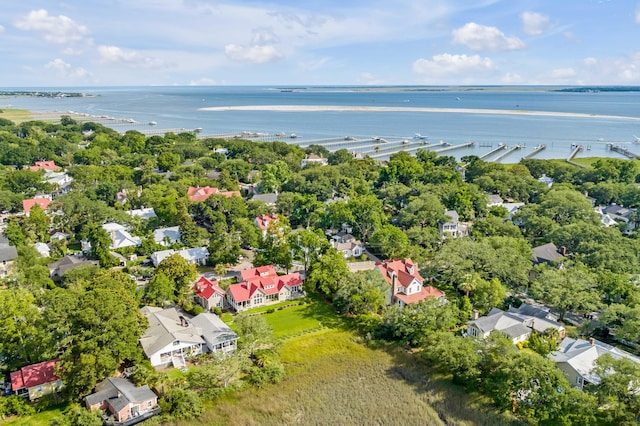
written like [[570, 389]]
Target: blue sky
[[323, 42]]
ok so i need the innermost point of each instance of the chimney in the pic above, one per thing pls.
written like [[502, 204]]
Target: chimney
[[592, 341], [183, 321], [563, 250], [476, 314]]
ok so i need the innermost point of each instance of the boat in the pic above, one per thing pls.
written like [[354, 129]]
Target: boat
[[418, 136], [293, 136], [152, 123], [198, 129]]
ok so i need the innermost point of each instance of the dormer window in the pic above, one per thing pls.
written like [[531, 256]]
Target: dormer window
[[391, 273], [410, 269]]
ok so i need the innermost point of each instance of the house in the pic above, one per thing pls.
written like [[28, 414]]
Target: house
[[120, 237], [514, 325], [269, 199], [60, 180], [28, 204], [577, 359], [197, 255], [144, 213], [167, 236], [264, 221], [45, 165], [43, 249], [407, 285], [621, 215], [172, 335], [197, 193], [313, 159], [123, 400], [347, 245], [452, 227], [58, 268], [8, 256], [495, 200], [59, 236], [262, 286], [548, 253], [37, 380], [208, 294], [546, 180], [534, 311], [512, 208]]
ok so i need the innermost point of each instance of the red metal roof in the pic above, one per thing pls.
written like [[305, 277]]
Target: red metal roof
[[28, 204], [267, 285], [197, 193], [206, 288], [45, 165], [34, 375], [264, 220], [260, 271]]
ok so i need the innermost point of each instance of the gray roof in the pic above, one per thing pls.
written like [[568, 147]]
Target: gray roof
[[8, 252], [453, 215], [546, 253], [582, 355], [70, 262], [495, 199], [165, 327], [172, 234], [120, 393], [269, 199], [512, 323], [213, 329], [534, 311]]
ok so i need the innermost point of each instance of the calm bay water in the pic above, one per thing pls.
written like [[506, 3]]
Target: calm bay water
[[179, 107]]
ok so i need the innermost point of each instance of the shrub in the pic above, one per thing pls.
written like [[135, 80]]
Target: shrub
[[182, 404], [217, 311], [15, 405]]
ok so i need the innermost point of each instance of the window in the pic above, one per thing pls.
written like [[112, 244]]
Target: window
[[579, 380], [149, 403]]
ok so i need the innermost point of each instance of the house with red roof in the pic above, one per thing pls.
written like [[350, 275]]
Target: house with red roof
[[37, 380], [208, 293], [406, 282], [263, 286], [49, 166], [263, 222], [201, 193], [28, 204]]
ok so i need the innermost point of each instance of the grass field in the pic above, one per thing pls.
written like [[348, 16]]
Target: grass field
[[42, 418], [335, 378], [16, 115]]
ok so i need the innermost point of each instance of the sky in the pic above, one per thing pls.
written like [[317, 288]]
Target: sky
[[46, 43]]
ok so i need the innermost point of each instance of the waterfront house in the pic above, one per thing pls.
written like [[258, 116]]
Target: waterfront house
[[407, 285], [577, 359], [120, 399], [262, 286], [514, 325], [173, 335], [313, 159], [35, 381], [208, 293]]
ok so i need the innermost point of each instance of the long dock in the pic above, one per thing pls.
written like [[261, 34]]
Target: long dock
[[453, 147], [575, 152], [536, 150], [504, 154], [397, 146], [493, 151], [624, 151]]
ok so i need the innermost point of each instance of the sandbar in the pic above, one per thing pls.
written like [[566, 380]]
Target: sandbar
[[347, 108]]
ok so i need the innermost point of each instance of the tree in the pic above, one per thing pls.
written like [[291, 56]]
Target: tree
[[327, 274], [367, 213], [168, 161], [100, 242], [159, 291], [183, 404], [308, 245], [254, 331], [456, 355], [189, 232], [180, 272], [361, 293], [425, 210], [615, 392], [567, 289], [389, 241], [488, 294]]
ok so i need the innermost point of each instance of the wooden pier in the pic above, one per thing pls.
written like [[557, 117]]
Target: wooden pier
[[624, 151], [504, 154], [575, 152], [493, 151], [453, 147], [536, 150]]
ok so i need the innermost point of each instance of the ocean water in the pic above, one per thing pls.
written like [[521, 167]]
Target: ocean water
[[180, 107]]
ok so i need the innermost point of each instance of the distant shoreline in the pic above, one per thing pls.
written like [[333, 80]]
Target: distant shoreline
[[340, 108]]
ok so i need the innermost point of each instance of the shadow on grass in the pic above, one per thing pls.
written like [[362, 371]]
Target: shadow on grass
[[322, 311], [453, 403]]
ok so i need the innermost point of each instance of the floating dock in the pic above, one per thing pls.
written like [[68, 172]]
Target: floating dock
[[504, 154], [536, 150], [493, 151]]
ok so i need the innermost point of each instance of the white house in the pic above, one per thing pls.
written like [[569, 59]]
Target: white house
[[452, 227], [120, 237], [167, 236], [43, 249], [144, 213], [407, 283], [173, 335], [197, 255], [577, 359], [313, 159]]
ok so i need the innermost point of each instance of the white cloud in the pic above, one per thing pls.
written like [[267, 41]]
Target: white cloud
[[369, 79], [448, 65], [534, 23], [257, 54], [563, 73], [71, 51], [482, 37], [66, 70], [512, 78], [116, 55], [590, 61], [56, 29]]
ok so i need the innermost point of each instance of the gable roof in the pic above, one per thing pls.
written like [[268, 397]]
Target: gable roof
[[172, 233], [582, 355], [44, 165], [70, 262], [259, 271], [8, 252], [120, 393], [512, 323], [266, 285], [165, 327], [197, 193], [120, 237], [546, 253], [404, 269], [28, 204], [34, 375], [206, 288], [264, 220], [147, 213]]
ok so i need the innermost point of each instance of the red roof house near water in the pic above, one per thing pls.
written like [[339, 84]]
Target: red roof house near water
[[36, 380], [201, 193], [406, 282], [262, 286]]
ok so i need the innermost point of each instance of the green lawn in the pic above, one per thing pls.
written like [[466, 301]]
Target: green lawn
[[16, 115], [42, 418]]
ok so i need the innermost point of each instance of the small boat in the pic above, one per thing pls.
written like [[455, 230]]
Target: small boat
[[418, 136], [152, 123], [198, 129], [293, 136]]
